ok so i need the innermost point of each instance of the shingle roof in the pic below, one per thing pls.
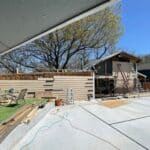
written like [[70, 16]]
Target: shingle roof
[[94, 62]]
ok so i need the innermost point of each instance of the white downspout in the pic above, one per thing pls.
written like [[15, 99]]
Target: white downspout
[[93, 85], [137, 80], [136, 72]]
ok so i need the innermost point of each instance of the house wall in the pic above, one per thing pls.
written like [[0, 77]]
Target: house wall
[[56, 86], [130, 72]]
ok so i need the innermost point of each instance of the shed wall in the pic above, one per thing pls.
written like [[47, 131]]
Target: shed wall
[[128, 69]]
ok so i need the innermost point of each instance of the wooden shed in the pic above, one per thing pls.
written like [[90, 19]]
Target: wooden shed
[[116, 73]]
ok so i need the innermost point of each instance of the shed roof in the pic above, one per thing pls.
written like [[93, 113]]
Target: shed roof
[[95, 62]]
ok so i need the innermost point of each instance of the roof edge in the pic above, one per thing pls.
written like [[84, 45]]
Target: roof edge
[[61, 25]]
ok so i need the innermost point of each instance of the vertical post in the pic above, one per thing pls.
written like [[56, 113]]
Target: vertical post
[[137, 81], [17, 70], [93, 85], [136, 71]]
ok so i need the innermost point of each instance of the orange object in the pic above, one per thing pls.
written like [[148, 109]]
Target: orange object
[[58, 102], [114, 103]]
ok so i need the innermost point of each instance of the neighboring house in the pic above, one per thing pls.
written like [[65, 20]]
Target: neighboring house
[[116, 73], [144, 68]]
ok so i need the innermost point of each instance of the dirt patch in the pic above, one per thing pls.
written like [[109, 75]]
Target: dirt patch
[[113, 103]]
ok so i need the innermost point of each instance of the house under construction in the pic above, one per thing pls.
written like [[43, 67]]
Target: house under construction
[[116, 73]]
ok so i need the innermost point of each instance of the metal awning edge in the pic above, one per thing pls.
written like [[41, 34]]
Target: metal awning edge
[[94, 10]]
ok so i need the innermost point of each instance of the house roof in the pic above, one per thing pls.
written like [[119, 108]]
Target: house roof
[[23, 21], [92, 63]]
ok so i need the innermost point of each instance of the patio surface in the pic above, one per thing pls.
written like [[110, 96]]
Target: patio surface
[[88, 126]]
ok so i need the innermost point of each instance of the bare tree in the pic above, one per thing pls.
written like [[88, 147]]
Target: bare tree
[[58, 49], [8, 64]]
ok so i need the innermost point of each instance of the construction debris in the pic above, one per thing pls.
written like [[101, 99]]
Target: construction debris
[[10, 124], [30, 116]]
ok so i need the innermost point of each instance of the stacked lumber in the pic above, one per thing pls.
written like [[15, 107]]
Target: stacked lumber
[[12, 122], [30, 116], [5, 102]]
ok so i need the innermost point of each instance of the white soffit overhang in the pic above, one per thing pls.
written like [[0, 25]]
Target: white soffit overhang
[[23, 21]]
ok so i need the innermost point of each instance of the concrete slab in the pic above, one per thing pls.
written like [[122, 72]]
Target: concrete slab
[[137, 129], [132, 110], [87, 125], [143, 101], [75, 129]]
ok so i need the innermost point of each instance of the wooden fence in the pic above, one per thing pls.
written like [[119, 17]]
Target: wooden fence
[[35, 76], [55, 84]]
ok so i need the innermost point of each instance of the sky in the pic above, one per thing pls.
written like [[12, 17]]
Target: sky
[[136, 24]]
